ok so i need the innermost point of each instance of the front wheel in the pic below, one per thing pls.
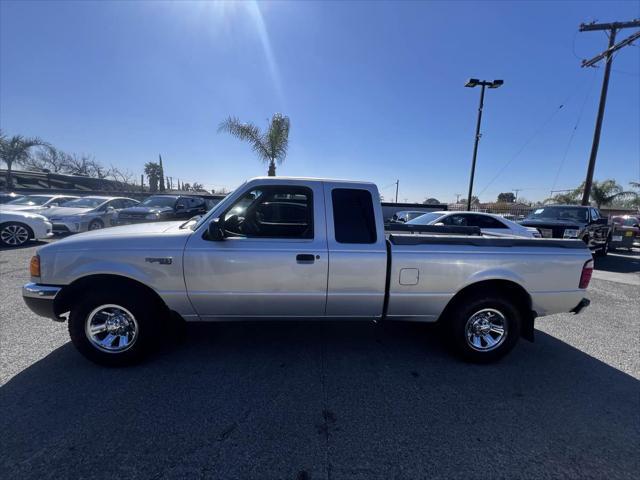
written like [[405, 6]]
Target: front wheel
[[14, 234], [484, 327], [96, 225], [112, 329]]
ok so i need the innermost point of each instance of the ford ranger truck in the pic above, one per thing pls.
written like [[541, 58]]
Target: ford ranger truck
[[303, 249]]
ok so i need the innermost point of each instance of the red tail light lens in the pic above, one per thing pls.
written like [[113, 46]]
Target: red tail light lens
[[585, 276]]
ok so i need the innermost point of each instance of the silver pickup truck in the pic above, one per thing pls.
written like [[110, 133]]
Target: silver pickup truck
[[287, 248]]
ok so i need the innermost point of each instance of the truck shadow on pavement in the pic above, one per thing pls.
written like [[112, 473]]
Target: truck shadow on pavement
[[619, 262], [311, 400]]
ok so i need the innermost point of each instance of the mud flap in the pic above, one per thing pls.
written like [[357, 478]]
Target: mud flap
[[528, 327]]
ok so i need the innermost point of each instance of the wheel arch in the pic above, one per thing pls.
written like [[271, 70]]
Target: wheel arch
[[17, 222], [509, 289], [64, 299]]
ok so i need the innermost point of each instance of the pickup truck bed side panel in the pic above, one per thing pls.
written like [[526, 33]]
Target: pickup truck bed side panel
[[444, 270]]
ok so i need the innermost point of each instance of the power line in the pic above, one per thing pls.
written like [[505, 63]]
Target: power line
[[573, 132]]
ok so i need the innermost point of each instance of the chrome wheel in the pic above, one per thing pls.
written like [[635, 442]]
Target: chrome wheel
[[95, 225], [486, 330], [111, 328], [14, 235]]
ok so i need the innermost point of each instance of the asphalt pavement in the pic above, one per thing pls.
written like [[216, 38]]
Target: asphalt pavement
[[336, 400]]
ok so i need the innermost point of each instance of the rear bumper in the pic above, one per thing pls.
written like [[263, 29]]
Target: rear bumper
[[40, 298], [584, 303]]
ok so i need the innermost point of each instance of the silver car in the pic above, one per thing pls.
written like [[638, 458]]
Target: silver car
[[35, 203], [86, 213]]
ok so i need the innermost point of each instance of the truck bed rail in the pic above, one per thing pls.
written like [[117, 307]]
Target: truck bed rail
[[432, 229], [485, 242]]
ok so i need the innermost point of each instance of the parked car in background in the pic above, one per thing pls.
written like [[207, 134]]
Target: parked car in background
[[625, 231], [17, 228], [405, 215], [487, 223], [572, 221], [86, 213], [158, 208], [6, 197], [36, 203]]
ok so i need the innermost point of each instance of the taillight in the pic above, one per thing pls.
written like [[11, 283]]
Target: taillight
[[585, 276], [34, 266]]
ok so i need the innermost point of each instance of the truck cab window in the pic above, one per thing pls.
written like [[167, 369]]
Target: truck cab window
[[273, 212], [353, 217]]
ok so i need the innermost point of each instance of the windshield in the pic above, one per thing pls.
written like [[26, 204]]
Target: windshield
[[630, 222], [159, 202], [574, 214], [86, 202], [31, 200], [425, 219]]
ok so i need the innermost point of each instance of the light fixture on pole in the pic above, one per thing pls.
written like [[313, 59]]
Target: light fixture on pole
[[474, 82]]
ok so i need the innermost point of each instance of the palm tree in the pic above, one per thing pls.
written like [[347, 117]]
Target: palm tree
[[16, 149], [153, 172], [270, 146], [605, 192]]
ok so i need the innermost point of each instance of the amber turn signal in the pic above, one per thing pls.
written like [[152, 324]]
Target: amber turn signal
[[34, 266]]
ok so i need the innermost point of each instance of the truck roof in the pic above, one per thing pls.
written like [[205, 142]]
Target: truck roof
[[310, 179]]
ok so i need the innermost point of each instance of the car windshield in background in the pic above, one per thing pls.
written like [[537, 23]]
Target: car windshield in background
[[31, 200], [574, 214], [425, 219], [159, 202], [86, 202], [630, 222]]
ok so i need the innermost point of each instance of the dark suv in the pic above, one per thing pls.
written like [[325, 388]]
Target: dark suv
[[159, 208], [572, 221]]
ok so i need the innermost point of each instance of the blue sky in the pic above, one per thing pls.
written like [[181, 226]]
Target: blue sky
[[374, 90]]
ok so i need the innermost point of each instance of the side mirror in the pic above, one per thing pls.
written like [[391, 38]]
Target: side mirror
[[215, 231], [180, 206], [110, 208]]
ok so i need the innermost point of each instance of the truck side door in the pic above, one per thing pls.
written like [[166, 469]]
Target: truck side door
[[357, 251], [273, 260]]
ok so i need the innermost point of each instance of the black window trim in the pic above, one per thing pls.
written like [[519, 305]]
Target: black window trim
[[373, 212]]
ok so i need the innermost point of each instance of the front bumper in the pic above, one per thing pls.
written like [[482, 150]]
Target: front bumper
[[40, 298], [60, 227], [584, 303]]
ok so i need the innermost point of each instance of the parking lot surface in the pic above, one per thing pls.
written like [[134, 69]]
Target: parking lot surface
[[335, 400]]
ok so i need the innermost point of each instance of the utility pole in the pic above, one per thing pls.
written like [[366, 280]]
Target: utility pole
[[608, 56], [397, 185]]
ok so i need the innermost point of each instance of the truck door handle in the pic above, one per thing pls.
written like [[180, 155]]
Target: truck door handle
[[305, 258]]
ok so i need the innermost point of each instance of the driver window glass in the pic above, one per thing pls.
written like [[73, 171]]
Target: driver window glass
[[277, 212], [455, 220], [594, 214]]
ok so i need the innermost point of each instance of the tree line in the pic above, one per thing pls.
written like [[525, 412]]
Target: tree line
[[36, 155]]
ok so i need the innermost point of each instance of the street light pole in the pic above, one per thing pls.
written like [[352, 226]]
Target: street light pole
[[474, 82], [475, 148]]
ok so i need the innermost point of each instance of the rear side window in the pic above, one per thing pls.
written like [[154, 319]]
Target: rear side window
[[353, 217]]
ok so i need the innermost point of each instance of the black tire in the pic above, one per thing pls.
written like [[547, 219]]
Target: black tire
[[15, 234], [147, 315], [95, 225], [474, 308]]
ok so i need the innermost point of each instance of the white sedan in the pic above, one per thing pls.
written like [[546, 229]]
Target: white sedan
[[17, 228], [488, 223]]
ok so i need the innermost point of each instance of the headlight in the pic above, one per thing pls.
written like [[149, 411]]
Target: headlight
[[570, 233], [152, 216]]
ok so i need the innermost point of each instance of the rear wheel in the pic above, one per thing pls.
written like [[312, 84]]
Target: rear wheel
[[112, 329], [484, 327], [14, 234]]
